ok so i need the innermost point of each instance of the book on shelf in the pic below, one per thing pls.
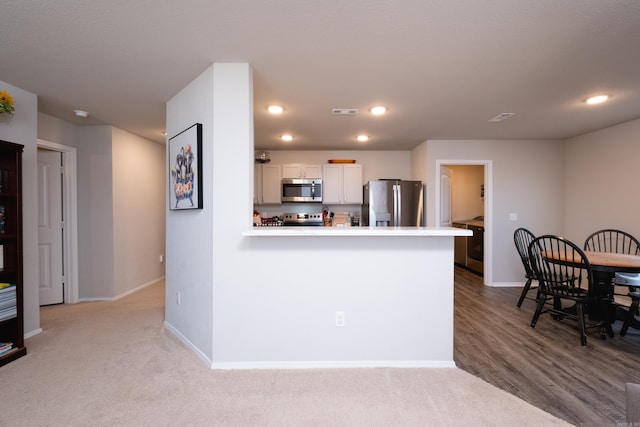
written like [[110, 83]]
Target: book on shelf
[[1, 219], [8, 313], [7, 287], [5, 347], [8, 293], [7, 302]]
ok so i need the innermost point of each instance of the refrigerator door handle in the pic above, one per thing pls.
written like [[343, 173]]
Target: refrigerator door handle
[[397, 211], [395, 205], [399, 199]]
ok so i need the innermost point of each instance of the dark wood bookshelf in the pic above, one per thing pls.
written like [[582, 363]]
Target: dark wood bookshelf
[[11, 269]]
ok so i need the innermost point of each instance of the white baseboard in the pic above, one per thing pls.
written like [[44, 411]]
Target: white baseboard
[[32, 333], [335, 364], [508, 284], [129, 292], [188, 343]]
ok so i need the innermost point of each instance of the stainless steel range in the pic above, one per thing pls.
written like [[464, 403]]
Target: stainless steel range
[[305, 219]]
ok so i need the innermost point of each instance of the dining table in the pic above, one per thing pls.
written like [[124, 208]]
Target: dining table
[[604, 266], [601, 305]]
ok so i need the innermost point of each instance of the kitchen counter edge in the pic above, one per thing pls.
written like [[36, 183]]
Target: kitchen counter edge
[[357, 231]]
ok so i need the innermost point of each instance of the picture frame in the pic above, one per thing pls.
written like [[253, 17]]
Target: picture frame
[[185, 169]]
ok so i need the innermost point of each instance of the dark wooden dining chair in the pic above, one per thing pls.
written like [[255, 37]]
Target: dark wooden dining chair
[[522, 238], [631, 313], [613, 241], [617, 241], [564, 273]]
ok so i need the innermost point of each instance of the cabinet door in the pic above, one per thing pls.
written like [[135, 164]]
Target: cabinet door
[[298, 170], [332, 184], [311, 171], [271, 184], [352, 184], [291, 170]]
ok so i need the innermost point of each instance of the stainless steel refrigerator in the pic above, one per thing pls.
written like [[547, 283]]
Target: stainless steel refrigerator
[[393, 203]]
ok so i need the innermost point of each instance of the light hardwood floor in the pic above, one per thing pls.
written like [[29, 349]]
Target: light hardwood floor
[[545, 366]]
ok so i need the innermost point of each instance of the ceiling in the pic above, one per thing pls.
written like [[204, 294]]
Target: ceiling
[[442, 68]]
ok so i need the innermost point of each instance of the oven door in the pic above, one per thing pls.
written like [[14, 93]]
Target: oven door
[[475, 243]]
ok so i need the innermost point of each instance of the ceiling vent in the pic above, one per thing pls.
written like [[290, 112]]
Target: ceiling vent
[[500, 117], [344, 111]]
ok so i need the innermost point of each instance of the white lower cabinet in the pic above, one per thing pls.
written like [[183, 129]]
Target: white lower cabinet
[[342, 184], [266, 184]]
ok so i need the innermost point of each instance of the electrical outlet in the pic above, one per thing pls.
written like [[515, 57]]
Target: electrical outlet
[[178, 298], [161, 258], [513, 217], [340, 320]]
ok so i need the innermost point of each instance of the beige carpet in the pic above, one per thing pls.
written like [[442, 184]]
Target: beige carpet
[[114, 364]]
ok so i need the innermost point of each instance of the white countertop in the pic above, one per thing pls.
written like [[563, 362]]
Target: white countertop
[[358, 231]]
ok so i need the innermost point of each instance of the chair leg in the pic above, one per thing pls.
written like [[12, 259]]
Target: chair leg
[[583, 328], [539, 291], [539, 307], [524, 292], [630, 316]]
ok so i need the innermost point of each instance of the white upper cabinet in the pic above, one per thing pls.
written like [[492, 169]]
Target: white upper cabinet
[[267, 184], [298, 170], [342, 184]]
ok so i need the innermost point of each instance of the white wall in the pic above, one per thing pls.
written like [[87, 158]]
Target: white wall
[[55, 130], [528, 179], [601, 170], [21, 129], [139, 204], [189, 233], [419, 164], [95, 213]]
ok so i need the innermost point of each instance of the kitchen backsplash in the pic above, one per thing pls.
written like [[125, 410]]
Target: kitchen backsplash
[[268, 211]]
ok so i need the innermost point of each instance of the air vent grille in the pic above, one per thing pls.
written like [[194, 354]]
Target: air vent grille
[[344, 111]]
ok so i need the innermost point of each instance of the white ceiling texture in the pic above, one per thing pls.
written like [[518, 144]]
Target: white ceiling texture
[[443, 68]]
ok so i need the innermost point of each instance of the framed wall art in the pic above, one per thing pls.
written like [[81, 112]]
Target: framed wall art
[[185, 169]]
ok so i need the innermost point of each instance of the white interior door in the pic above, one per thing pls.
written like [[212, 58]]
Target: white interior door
[[445, 196], [50, 227]]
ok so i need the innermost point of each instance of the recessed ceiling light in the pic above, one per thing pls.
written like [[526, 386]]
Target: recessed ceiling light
[[378, 110], [81, 113], [597, 99], [362, 138], [287, 137], [275, 109]]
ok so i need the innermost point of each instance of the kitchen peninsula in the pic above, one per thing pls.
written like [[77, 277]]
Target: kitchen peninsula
[[359, 296]]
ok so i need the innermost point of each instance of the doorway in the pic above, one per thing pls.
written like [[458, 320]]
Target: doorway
[[469, 200], [66, 243]]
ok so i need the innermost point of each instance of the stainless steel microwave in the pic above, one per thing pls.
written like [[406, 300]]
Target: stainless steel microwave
[[301, 190]]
